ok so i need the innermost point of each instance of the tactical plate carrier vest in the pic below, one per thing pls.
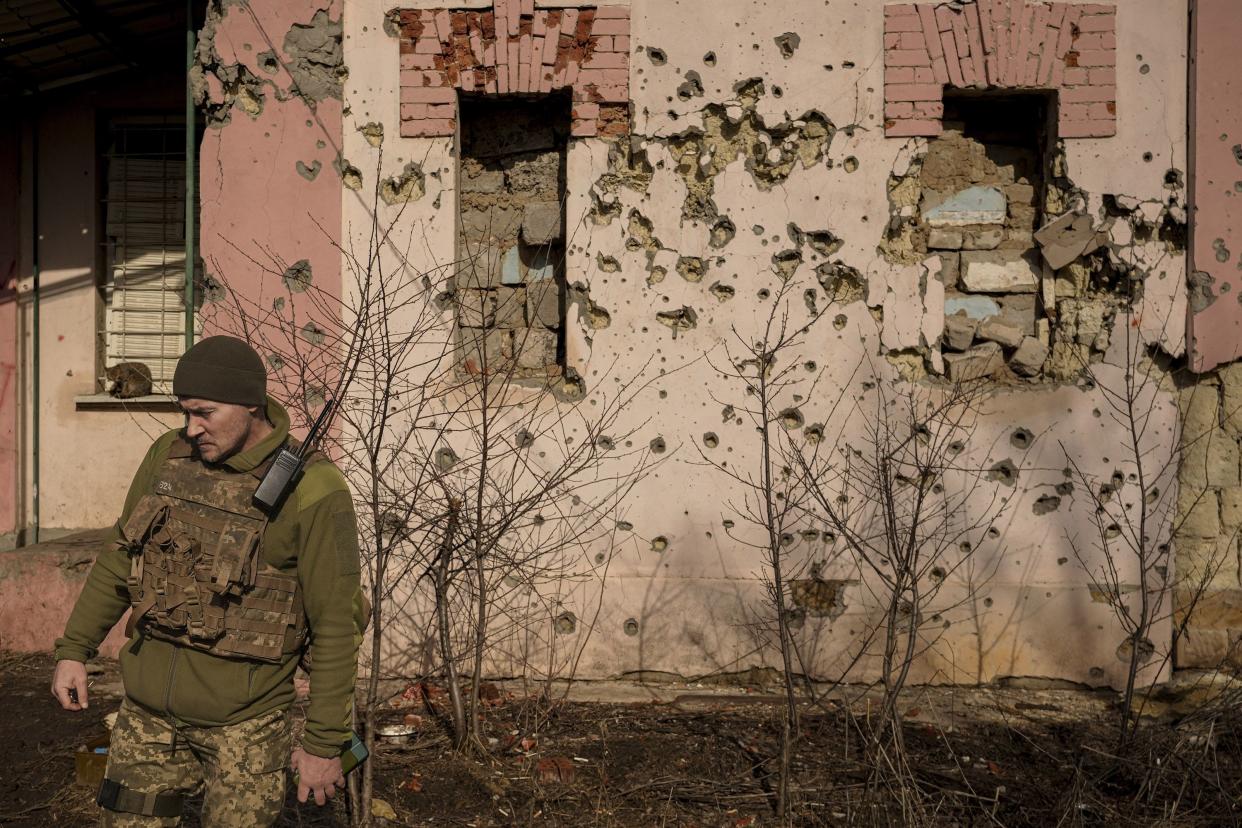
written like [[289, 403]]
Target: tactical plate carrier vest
[[197, 574]]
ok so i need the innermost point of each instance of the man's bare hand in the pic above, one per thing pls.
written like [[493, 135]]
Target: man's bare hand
[[69, 684], [317, 775]]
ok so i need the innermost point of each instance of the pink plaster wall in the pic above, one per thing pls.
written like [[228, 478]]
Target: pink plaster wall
[[1215, 333], [10, 173], [255, 204]]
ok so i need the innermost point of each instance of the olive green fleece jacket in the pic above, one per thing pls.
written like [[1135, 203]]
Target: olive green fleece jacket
[[314, 535]]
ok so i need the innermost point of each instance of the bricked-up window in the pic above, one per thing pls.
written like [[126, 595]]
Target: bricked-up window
[[510, 280], [983, 189]]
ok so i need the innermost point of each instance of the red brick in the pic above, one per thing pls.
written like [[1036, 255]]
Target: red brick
[[585, 111], [621, 43], [906, 57], [977, 53], [907, 128], [502, 78], [944, 19], [428, 95], [1098, 8], [1040, 35], [428, 128], [414, 78], [416, 61], [1102, 111], [892, 39], [612, 12], [1074, 112], [924, 74], [962, 43], [476, 47], [428, 46], [525, 47], [905, 23], [444, 24], [940, 71], [524, 78], [1017, 65], [899, 74], [610, 26], [899, 9], [607, 60], [913, 92], [604, 76], [1097, 41], [528, 8], [420, 111], [929, 109], [931, 33], [993, 70], [489, 54], [899, 109], [1088, 94], [984, 11], [1075, 76], [1097, 23], [911, 40], [1103, 77], [545, 79], [1087, 129]]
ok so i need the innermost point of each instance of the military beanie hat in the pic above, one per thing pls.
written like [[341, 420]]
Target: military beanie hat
[[221, 369]]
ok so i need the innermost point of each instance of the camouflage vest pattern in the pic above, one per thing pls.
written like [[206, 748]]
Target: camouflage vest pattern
[[197, 574]]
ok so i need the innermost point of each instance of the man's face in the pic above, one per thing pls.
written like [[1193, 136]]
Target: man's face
[[219, 430]]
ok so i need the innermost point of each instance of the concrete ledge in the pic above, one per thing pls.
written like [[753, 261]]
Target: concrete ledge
[[38, 587], [107, 402]]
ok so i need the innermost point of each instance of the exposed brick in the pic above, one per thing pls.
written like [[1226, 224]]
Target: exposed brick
[[422, 111], [1087, 129], [899, 109], [610, 26], [428, 128], [550, 41], [1098, 8], [417, 61], [1102, 57], [583, 129], [1101, 111], [931, 32], [892, 40], [428, 46], [1097, 23], [905, 23], [1075, 76], [444, 24], [1097, 41], [607, 60], [913, 92], [422, 77], [911, 128], [962, 41], [1041, 34], [924, 74], [1074, 112], [977, 52], [612, 12], [906, 57], [1103, 76], [984, 11], [940, 70], [929, 109], [621, 43], [1088, 94], [899, 74], [428, 95], [1017, 66], [899, 9], [585, 111]]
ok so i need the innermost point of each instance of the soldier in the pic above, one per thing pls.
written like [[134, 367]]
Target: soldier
[[225, 597]]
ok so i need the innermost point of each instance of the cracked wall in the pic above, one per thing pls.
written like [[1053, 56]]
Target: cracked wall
[[755, 151]]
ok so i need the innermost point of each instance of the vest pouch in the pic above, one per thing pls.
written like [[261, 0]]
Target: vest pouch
[[149, 516], [234, 559]]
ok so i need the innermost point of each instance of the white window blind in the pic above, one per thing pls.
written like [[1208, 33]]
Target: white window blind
[[144, 203]]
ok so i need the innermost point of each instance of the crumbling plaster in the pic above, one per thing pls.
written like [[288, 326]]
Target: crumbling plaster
[[693, 592]]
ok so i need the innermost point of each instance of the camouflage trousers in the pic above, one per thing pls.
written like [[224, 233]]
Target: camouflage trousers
[[239, 769]]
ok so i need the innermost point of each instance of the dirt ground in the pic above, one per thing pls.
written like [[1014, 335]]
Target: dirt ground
[[692, 756]]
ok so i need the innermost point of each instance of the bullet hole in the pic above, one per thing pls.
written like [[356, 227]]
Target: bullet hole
[[819, 597], [710, 58], [1146, 650], [1144, 69], [764, 293], [1004, 472], [1021, 439], [1148, 157], [791, 418], [691, 268], [847, 64], [1153, 495], [692, 88], [313, 334], [711, 440], [1237, 153], [625, 525], [727, 413], [823, 242], [777, 92], [1112, 531], [410, 185], [1062, 561], [657, 446], [275, 362], [1173, 179], [373, 131], [727, 524], [607, 264], [604, 442], [659, 544], [809, 535], [785, 263], [993, 532], [630, 627], [656, 275], [787, 539], [842, 283], [658, 57], [308, 172], [810, 366], [937, 573], [1046, 504], [722, 233], [663, 394], [955, 448], [987, 602], [525, 439], [297, 276], [268, 62], [566, 623], [839, 321], [1064, 489], [597, 317], [1223, 253], [1096, 673], [808, 298], [850, 164], [814, 433], [684, 319], [599, 557], [446, 458], [787, 44]]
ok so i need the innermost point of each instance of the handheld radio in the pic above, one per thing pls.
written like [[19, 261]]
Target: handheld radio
[[286, 469]]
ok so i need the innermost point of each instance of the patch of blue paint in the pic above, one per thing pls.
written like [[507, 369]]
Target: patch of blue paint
[[976, 307], [542, 265], [974, 205], [511, 267]]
